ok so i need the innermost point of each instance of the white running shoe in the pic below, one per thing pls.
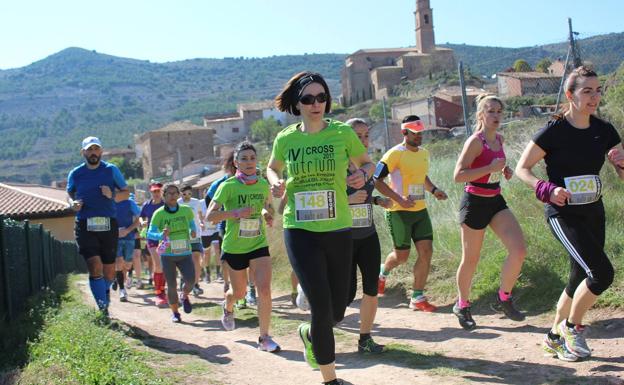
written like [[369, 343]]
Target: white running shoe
[[302, 300]]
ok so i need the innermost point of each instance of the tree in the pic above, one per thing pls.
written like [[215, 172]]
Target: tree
[[521, 65], [542, 65], [375, 113], [129, 169], [265, 130]]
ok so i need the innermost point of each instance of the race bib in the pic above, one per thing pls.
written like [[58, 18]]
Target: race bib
[[584, 189], [97, 224], [315, 205], [416, 191], [179, 246], [249, 228], [362, 215], [495, 177]]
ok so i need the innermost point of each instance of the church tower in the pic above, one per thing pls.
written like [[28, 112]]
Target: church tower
[[425, 41]]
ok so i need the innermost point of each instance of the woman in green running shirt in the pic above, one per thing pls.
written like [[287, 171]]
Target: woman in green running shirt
[[245, 200], [317, 221]]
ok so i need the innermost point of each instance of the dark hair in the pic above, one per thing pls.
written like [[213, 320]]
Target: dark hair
[[169, 185], [242, 146], [287, 99], [228, 161], [579, 72], [186, 187], [410, 118]]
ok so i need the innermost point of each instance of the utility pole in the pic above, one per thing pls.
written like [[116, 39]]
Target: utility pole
[[387, 134], [179, 165], [576, 55], [462, 85]]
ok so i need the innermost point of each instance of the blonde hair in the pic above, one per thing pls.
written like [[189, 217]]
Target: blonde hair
[[481, 101]]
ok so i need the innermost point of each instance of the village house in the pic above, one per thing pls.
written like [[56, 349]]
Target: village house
[[526, 83]]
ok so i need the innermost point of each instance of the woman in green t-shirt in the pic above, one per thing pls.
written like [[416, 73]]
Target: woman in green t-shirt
[[245, 200], [317, 221]]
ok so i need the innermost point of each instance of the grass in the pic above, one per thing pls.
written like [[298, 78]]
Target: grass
[[546, 267], [67, 342]]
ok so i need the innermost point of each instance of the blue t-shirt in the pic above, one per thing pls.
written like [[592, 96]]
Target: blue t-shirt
[[149, 208], [85, 184], [126, 212], [211, 193]]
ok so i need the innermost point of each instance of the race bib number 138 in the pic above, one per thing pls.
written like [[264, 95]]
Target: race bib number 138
[[315, 205]]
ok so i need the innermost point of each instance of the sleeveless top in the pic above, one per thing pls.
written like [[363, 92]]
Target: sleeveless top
[[488, 184]]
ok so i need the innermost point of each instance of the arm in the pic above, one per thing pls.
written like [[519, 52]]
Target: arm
[[429, 186], [383, 188], [215, 214], [136, 223], [364, 173], [472, 148], [275, 170], [268, 211], [154, 233], [616, 157]]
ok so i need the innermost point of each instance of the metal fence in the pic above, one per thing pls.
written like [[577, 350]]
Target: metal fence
[[30, 259]]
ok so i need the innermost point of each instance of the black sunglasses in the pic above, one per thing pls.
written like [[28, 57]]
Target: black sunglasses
[[309, 99]]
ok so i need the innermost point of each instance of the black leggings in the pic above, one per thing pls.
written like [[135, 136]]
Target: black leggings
[[322, 262], [582, 233], [366, 256]]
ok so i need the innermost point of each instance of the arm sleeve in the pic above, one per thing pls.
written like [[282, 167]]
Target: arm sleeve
[[71, 185], [543, 137], [142, 213], [221, 195], [354, 145], [277, 152], [135, 209], [614, 137], [119, 180], [386, 165], [153, 233]]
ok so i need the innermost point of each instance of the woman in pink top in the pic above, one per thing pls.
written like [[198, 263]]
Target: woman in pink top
[[480, 166]]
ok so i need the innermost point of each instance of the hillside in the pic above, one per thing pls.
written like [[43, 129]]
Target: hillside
[[604, 51], [47, 107]]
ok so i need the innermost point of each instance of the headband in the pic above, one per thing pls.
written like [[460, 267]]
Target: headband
[[415, 126], [304, 81]]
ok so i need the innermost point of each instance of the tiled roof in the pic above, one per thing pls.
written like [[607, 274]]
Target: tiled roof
[[32, 201], [529, 75], [208, 179]]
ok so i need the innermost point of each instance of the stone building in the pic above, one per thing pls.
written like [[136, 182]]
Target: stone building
[[434, 112], [159, 149], [236, 127], [526, 83], [372, 73]]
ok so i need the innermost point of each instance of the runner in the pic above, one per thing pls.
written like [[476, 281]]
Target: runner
[[136, 256], [480, 166], [127, 223], [366, 249], [407, 164], [211, 241], [574, 147], [229, 170], [174, 226], [196, 244], [243, 200], [315, 155], [93, 188], [147, 211]]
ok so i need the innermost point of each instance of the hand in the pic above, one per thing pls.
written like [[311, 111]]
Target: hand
[[440, 195], [244, 212], [616, 157], [106, 191], [123, 233], [406, 202], [268, 218], [497, 165], [193, 234], [358, 197], [278, 188], [386, 203], [76, 205], [507, 172], [166, 232], [559, 196], [356, 180]]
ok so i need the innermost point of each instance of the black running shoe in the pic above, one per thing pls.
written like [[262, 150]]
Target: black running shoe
[[508, 308], [370, 346], [465, 317]]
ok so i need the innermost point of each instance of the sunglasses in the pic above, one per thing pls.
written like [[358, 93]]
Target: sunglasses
[[309, 99]]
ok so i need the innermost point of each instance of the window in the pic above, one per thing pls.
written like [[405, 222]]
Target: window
[[426, 19], [234, 129]]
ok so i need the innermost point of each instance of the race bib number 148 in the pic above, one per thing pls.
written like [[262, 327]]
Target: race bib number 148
[[315, 205]]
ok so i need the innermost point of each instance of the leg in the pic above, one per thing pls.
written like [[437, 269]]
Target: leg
[[396, 258], [261, 268], [424, 248], [472, 241], [169, 270], [197, 257], [238, 286], [136, 262], [368, 256], [507, 228], [400, 234]]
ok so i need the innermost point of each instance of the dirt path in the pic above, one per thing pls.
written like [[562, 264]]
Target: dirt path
[[426, 348]]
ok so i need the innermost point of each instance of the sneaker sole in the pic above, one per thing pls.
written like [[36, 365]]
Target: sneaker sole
[[305, 356], [496, 308]]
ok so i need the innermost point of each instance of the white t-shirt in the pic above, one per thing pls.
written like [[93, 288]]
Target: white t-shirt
[[209, 227], [195, 205]]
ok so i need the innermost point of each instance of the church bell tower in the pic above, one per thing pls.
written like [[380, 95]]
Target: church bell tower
[[425, 41]]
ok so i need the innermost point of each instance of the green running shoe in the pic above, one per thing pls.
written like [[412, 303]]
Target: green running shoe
[[308, 353], [557, 348]]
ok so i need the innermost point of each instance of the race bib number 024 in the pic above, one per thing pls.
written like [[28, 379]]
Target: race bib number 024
[[315, 205], [362, 215], [584, 189]]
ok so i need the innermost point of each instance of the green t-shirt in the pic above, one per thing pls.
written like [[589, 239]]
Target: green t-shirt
[[316, 165], [243, 235], [179, 228]]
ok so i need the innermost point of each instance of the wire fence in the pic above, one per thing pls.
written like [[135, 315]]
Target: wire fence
[[30, 259]]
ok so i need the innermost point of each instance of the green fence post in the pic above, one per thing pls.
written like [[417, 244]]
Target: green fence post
[[31, 282], [5, 270]]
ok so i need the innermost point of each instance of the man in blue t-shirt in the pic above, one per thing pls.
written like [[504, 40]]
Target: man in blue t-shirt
[[93, 187], [127, 222]]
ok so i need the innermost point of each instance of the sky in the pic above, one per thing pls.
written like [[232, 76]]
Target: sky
[[162, 31]]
